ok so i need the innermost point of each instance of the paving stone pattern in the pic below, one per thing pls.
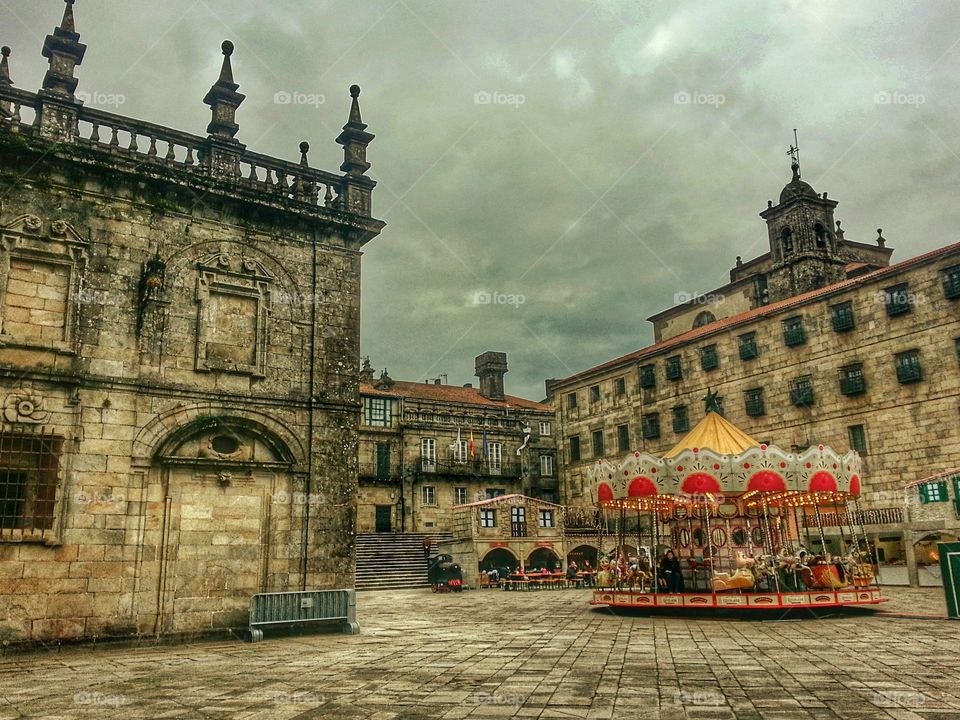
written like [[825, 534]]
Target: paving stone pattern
[[531, 655]]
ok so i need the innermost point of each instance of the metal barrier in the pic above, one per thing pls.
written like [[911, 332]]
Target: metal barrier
[[308, 607]]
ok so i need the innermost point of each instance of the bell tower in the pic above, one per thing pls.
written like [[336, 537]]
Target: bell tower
[[804, 250]]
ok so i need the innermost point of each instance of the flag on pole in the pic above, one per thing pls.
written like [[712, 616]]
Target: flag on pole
[[471, 443], [484, 443]]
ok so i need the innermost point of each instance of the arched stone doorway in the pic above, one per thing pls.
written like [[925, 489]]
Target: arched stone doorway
[[582, 554], [543, 558], [927, 556], [223, 521], [499, 558]]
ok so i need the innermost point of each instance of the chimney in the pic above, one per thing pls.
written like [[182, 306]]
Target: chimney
[[491, 367]]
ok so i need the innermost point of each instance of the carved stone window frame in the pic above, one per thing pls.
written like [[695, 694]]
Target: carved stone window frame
[[56, 243], [241, 277]]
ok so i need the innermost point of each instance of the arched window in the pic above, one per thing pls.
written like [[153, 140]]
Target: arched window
[[704, 318], [786, 240]]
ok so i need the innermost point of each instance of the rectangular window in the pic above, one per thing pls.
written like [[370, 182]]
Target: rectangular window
[[681, 423], [933, 492], [594, 393], [428, 454], [488, 518], [29, 475], [841, 316], [461, 450], [383, 460], [571, 401], [748, 346], [574, 448], [858, 438], [495, 456], [801, 391], [674, 368], [908, 366], [546, 518], [544, 427], [852, 380], [546, 466], [709, 360], [598, 443], [651, 426], [793, 332], [518, 521], [459, 496], [623, 438], [620, 386], [898, 299], [377, 411], [951, 282], [428, 495], [753, 399], [956, 495], [648, 376]]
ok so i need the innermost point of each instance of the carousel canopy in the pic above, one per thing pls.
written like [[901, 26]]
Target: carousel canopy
[[717, 433], [718, 459]]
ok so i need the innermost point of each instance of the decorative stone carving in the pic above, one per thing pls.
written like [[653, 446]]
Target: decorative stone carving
[[24, 406]]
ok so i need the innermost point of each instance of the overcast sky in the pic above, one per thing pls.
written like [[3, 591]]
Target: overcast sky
[[552, 172]]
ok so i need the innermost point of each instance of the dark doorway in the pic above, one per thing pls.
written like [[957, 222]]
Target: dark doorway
[[384, 513]]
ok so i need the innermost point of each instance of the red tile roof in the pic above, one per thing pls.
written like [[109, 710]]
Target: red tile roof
[[762, 311], [450, 394]]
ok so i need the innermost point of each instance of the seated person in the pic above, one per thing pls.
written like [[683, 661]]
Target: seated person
[[671, 576], [572, 570]]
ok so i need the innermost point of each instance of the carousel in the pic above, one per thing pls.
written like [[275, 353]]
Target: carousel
[[723, 521]]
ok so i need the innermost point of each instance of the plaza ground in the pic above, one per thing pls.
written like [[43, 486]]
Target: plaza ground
[[540, 654]]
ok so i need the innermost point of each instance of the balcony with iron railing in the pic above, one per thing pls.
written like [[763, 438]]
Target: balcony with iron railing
[[375, 471], [476, 467]]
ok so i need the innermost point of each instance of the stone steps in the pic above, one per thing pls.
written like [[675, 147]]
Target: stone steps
[[393, 561]]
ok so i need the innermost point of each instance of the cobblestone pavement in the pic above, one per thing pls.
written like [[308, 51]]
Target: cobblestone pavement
[[532, 655]]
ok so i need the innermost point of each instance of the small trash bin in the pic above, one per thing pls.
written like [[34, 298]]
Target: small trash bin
[[950, 572]]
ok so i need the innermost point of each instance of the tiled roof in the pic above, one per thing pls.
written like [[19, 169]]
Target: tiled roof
[[763, 311], [933, 478], [451, 394]]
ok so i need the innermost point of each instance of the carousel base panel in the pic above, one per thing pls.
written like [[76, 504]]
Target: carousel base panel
[[739, 601]]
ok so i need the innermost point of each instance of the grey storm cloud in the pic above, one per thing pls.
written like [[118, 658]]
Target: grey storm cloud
[[552, 172]]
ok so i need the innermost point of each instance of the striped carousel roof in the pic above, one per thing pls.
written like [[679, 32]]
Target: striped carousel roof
[[716, 433]]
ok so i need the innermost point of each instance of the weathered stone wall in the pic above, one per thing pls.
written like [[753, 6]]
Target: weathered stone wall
[[258, 312]]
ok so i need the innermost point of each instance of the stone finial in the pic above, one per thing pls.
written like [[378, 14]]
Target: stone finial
[[64, 52], [355, 139], [881, 240], [739, 261], [304, 149], [224, 99], [839, 231], [5, 67]]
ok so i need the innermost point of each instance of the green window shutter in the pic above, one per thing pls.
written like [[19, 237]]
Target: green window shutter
[[956, 494]]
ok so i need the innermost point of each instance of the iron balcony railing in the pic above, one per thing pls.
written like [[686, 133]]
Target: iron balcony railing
[[379, 472], [475, 467]]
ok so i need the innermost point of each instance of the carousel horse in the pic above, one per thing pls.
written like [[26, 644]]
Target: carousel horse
[[821, 574], [639, 573], [745, 561], [858, 568], [742, 579]]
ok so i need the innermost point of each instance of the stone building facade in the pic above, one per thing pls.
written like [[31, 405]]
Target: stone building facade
[[799, 355], [180, 328], [426, 447]]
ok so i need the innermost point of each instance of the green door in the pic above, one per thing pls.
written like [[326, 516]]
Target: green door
[[950, 570]]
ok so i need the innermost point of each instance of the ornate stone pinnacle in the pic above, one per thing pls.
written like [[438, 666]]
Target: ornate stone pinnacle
[[304, 149], [224, 99], [5, 67], [64, 52]]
